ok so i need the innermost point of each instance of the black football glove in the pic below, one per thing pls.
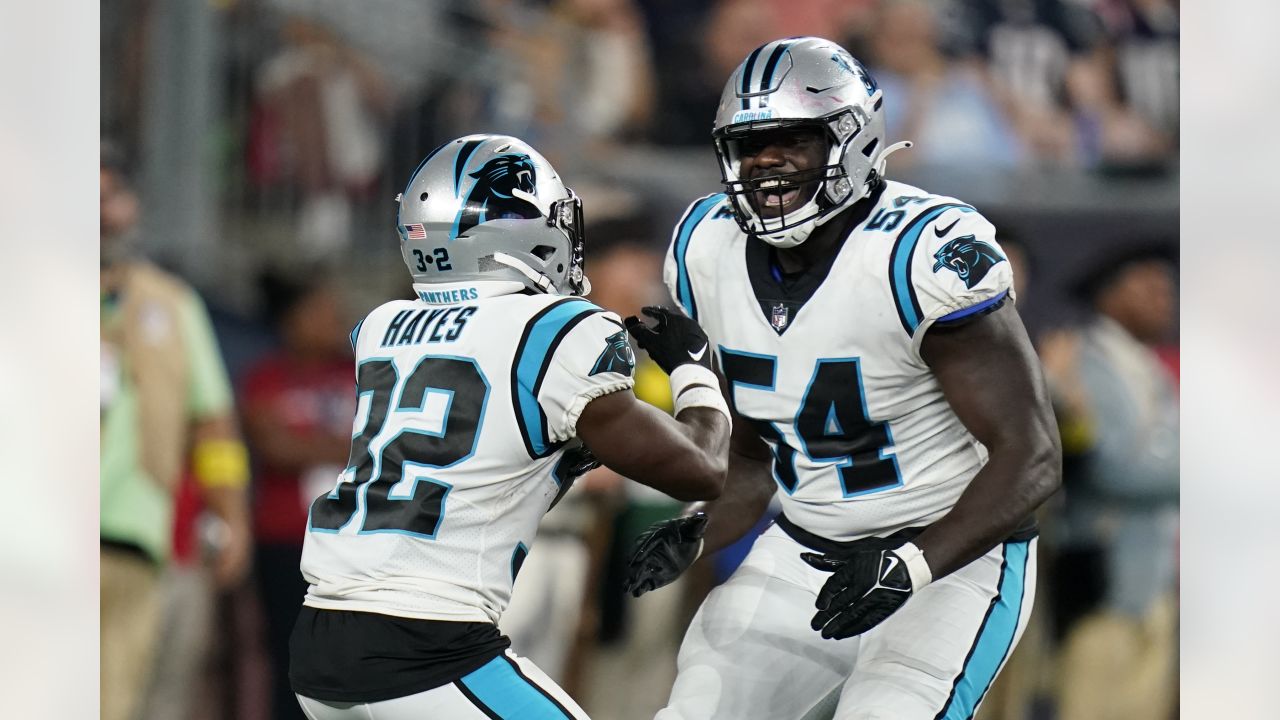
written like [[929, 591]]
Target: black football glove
[[576, 462], [866, 586], [663, 551], [673, 341]]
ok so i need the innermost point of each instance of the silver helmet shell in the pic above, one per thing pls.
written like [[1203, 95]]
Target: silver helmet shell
[[802, 82], [491, 208]]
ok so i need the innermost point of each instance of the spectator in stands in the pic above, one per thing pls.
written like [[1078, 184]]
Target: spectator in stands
[[1143, 58], [165, 400], [579, 78], [611, 45], [1038, 52], [318, 124], [943, 107], [298, 404], [1118, 661], [1048, 59], [736, 27]]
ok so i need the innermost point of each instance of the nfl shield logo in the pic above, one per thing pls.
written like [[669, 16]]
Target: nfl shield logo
[[779, 317]]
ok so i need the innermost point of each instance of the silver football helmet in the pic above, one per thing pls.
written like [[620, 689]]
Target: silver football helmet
[[490, 207], [802, 82]]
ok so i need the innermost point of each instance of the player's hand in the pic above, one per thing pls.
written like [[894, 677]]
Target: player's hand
[[865, 587], [577, 461], [673, 341], [663, 551]]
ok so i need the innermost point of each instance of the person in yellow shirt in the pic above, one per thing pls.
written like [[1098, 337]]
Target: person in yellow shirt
[[165, 400]]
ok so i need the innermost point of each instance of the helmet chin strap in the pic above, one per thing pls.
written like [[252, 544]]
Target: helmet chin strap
[[541, 281], [882, 160]]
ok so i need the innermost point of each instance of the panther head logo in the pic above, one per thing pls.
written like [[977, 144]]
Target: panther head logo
[[967, 257], [617, 356], [854, 67], [497, 193]]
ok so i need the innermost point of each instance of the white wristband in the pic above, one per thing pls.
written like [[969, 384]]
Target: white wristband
[[917, 566], [703, 396], [691, 374], [695, 386]]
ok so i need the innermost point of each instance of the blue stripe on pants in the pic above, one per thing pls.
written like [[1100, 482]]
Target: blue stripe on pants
[[508, 694], [995, 638]]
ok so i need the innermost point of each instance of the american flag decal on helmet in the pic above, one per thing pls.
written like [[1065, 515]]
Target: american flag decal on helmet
[[415, 231]]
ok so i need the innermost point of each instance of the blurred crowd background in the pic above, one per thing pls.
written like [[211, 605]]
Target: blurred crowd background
[[254, 149]]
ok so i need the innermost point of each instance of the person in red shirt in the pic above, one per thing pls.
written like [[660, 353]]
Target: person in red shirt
[[297, 403]]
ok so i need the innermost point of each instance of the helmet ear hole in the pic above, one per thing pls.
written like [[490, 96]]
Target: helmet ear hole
[[871, 147], [544, 253], [422, 197], [560, 267]]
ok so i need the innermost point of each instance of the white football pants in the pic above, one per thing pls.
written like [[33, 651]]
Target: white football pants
[[750, 654], [508, 687]]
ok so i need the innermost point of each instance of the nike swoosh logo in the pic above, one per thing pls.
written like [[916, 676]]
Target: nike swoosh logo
[[893, 563], [697, 357], [946, 229]]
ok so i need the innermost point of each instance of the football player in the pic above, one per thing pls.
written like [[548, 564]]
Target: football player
[[478, 403], [884, 386]]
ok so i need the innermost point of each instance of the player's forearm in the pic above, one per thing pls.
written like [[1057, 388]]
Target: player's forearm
[[708, 431], [1000, 498], [696, 469], [748, 489], [684, 457]]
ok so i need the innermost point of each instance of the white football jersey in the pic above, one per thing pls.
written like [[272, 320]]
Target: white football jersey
[[460, 443], [826, 366]]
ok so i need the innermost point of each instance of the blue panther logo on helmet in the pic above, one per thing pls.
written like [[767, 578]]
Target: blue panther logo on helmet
[[853, 66], [493, 195], [967, 257]]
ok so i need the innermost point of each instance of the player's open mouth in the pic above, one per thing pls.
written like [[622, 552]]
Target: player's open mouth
[[774, 202]]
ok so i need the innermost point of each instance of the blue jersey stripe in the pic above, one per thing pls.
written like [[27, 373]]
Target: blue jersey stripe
[[966, 312], [904, 293], [533, 355], [355, 335], [508, 694], [684, 288], [517, 559], [995, 638]]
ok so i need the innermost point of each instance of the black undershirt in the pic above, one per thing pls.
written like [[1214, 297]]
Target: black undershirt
[[781, 295], [345, 656]]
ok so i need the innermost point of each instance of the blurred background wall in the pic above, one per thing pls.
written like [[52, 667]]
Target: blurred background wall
[[268, 139]]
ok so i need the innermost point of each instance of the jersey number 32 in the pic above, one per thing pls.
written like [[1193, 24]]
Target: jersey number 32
[[396, 497]]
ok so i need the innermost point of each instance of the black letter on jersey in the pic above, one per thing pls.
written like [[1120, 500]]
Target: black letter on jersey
[[459, 323], [397, 322]]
